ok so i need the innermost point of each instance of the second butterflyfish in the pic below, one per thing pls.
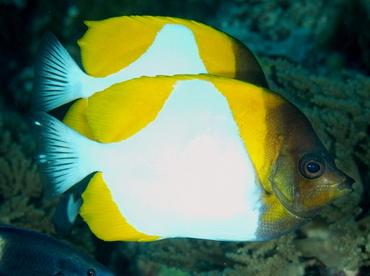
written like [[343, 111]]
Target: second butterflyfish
[[196, 156], [121, 48]]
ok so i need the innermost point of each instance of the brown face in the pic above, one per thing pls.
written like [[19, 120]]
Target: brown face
[[305, 177]]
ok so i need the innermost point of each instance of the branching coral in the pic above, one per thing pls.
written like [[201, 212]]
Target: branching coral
[[21, 197], [20, 189], [338, 106], [192, 254], [200, 257], [277, 257], [328, 34]]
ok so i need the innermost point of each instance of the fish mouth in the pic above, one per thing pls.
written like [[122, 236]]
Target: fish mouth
[[345, 185]]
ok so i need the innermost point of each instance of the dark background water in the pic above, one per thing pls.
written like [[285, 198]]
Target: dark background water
[[315, 53]]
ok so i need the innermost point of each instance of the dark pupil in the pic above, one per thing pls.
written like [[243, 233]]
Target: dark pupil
[[90, 272], [313, 167]]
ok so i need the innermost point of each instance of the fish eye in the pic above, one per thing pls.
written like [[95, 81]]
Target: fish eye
[[91, 272], [311, 166]]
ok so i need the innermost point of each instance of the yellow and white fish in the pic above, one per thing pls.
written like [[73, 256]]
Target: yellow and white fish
[[196, 156], [122, 48]]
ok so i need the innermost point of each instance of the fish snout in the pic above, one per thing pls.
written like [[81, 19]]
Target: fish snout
[[346, 184]]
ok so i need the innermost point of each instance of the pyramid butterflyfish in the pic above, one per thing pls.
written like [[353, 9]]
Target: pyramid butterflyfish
[[199, 156]]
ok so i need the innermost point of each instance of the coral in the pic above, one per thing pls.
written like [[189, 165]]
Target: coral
[[20, 187], [192, 254], [202, 257], [21, 198], [322, 36], [279, 256], [318, 34]]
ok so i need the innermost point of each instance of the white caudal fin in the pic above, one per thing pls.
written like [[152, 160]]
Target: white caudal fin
[[58, 78], [65, 156]]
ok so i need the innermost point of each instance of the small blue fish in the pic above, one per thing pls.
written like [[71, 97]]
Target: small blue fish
[[28, 253]]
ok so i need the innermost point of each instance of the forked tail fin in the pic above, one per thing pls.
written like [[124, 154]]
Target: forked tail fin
[[58, 79], [65, 156]]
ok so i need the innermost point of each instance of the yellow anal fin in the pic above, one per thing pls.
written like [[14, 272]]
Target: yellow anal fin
[[76, 119], [104, 218]]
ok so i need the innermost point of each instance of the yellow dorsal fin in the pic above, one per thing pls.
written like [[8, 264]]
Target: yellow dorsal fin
[[103, 216], [112, 44], [224, 55], [215, 48], [76, 119], [125, 108]]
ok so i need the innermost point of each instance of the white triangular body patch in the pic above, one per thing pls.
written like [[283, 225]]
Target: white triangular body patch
[[174, 51], [187, 173]]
